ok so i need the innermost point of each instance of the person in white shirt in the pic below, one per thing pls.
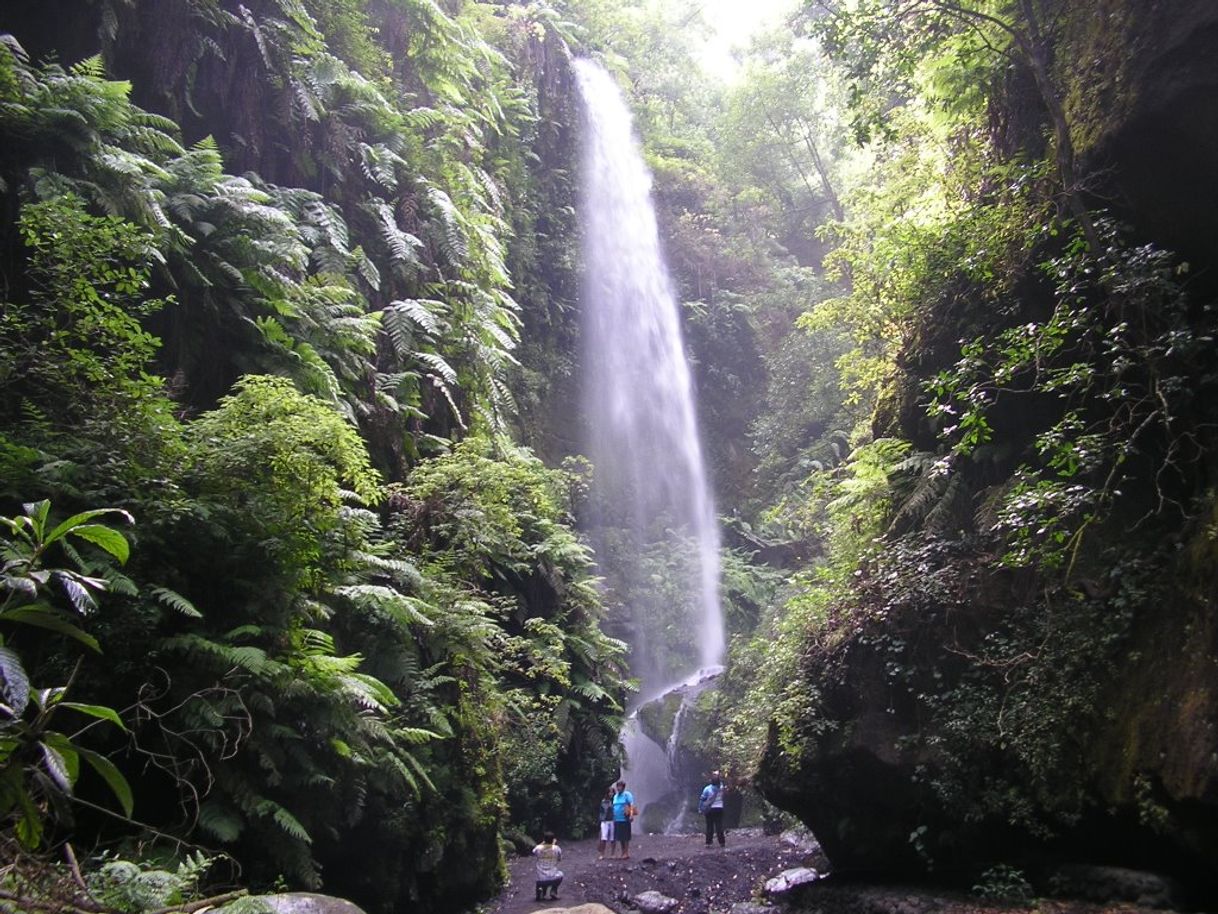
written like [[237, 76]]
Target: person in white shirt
[[549, 876]]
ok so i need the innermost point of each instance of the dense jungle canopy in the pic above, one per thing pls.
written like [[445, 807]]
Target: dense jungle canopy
[[295, 507]]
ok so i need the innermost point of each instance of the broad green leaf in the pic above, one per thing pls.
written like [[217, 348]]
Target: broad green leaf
[[29, 824], [99, 711], [44, 698], [77, 520], [51, 620], [20, 584], [82, 601], [105, 537], [113, 777]]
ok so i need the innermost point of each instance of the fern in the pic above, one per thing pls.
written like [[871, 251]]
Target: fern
[[945, 513], [286, 821], [223, 656], [175, 601]]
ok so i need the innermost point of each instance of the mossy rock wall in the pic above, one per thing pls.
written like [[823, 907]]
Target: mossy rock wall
[[954, 713]]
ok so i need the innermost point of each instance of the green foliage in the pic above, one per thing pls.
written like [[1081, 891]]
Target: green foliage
[[134, 888], [284, 458], [311, 666], [781, 129], [499, 523], [301, 275], [845, 508], [39, 766], [80, 329], [1120, 357]]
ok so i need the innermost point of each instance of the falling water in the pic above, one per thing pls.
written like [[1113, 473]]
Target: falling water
[[640, 394], [645, 445]]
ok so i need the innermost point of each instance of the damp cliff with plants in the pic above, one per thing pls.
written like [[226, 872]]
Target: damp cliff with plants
[[1007, 656], [265, 268]]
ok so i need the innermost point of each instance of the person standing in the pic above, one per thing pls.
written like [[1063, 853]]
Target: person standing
[[710, 804], [549, 876], [623, 816], [606, 824]]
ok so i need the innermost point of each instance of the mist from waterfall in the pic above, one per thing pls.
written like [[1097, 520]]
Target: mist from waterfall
[[639, 392]]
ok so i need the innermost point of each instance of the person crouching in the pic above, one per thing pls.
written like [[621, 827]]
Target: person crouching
[[549, 876]]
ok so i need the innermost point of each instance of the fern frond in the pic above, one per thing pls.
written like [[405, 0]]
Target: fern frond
[[438, 364], [220, 821], [941, 517], [420, 312], [175, 601], [451, 235], [404, 609]]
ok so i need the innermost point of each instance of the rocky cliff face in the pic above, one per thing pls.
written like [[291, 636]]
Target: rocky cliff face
[[961, 713]]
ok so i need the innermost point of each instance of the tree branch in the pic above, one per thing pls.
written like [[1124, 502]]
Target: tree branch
[[202, 903]]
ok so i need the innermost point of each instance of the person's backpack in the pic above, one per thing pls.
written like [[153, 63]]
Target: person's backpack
[[706, 799]]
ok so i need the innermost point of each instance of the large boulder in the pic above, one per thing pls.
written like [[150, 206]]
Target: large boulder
[[919, 754], [304, 903], [1140, 79], [678, 724]]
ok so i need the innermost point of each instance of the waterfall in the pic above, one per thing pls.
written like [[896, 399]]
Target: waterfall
[[639, 393]]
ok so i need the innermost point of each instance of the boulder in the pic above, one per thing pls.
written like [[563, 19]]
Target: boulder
[[653, 902], [1107, 884], [789, 880], [303, 903], [519, 842], [801, 841], [590, 908]]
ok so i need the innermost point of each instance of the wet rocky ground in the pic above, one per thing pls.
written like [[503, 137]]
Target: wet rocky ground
[[703, 880]]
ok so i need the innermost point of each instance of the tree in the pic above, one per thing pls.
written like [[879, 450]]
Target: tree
[[883, 39], [781, 129]]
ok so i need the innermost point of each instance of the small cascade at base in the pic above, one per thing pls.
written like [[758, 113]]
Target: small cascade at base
[[665, 775]]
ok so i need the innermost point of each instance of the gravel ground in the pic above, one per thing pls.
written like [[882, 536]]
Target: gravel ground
[[679, 866], [710, 880]]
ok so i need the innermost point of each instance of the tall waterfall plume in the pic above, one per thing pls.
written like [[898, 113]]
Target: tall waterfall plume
[[639, 392]]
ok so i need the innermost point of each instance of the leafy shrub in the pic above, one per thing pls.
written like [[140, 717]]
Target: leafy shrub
[[1004, 884]]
